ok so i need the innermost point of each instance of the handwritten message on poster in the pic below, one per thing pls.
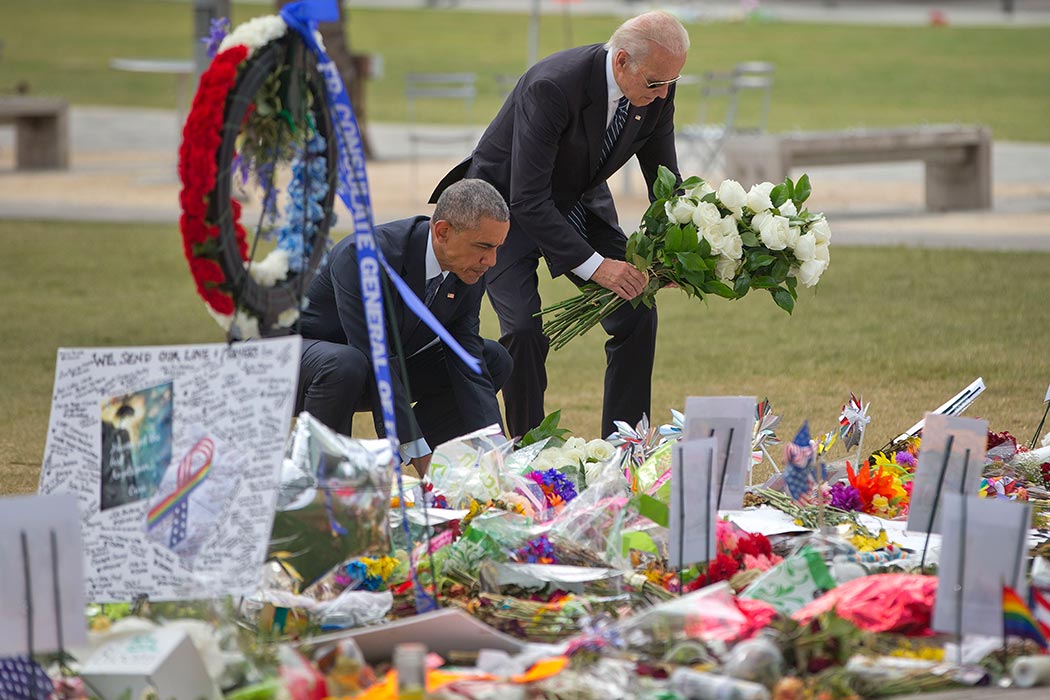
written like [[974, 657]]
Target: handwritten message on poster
[[174, 455]]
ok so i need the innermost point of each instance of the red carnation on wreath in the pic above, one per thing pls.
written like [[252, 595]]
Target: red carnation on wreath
[[201, 137]]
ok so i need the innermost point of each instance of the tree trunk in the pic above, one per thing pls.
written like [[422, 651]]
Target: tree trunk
[[351, 68]]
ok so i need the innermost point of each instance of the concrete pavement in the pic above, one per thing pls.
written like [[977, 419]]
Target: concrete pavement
[[124, 170]]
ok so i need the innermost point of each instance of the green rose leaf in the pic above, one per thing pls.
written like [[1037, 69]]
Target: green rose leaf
[[690, 238], [692, 262], [783, 299], [673, 244], [802, 191], [690, 182], [664, 185], [703, 248], [761, 259], [749, 237], [711, 197], [789, 187], [742, 283], [778, 195], [780, 270], [763, 282], [719, 288]]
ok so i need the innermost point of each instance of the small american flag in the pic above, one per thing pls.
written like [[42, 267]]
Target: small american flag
[[21, 678]]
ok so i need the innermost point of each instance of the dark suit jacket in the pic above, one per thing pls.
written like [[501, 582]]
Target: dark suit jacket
[[335, 313], [542, 151]]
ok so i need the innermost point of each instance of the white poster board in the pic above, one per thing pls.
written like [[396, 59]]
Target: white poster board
[[731, 421], [40, 557], [174, 454], [693, 503], [983, 548], [951, 459]]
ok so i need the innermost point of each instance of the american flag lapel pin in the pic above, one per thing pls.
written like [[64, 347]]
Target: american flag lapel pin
[[638, 117], [451, 295]]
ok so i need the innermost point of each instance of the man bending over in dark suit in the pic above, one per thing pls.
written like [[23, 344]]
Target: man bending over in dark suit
[[446, 256], [572, 120]]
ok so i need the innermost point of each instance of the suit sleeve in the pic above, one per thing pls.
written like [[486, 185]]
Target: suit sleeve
[[540, 117], [474, 393], [660, 148], [346, 281]]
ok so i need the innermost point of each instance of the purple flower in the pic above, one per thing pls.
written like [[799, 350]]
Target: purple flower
[[538, 551], [218, 30], [844, 497], [905, 459]]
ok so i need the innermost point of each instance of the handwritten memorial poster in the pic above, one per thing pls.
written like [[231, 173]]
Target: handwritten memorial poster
[[174, 454]]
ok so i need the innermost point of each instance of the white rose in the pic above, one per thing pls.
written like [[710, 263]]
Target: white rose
[[810, 271], [714, 235], [725, 268], [788, 208], [732, 196], [574, 456], [758, 197], [700, 191], [680, 210], [543, 461], [732, 244], [822, 252], [757, 219], [793, 233], [574, 443], [806, 248], [774, 232], [706, 214], [599, 450], [821, 230], [1046, 440]]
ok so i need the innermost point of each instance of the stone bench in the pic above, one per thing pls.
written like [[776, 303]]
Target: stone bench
[[958, 158], [41, 131]]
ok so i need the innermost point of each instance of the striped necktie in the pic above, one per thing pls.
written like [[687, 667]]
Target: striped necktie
[[433, 284], [577, 216]]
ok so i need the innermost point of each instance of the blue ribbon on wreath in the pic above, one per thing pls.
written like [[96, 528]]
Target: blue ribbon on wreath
[[302, 17]]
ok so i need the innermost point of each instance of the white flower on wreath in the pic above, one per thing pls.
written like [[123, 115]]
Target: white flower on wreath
[[271, 269], [680, 210], [806, 248], [599, 450], [793, 234], [772, 229], [732, 196], [245, 325], [574, 456], [788, 209], [819, 228], [725, 268], [544, 460], [810, 271], [255, 33], [758, 197], [705, 215]]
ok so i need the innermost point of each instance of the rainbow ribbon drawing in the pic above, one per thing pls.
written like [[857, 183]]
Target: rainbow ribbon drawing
[[177, 502]]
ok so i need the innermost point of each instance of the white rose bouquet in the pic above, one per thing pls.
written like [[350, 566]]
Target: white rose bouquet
[[724, 241]]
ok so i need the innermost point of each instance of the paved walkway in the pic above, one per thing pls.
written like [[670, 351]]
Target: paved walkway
[[124, 170]]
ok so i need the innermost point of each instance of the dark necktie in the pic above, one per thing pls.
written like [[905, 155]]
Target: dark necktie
[[433, 285], [577, 216]]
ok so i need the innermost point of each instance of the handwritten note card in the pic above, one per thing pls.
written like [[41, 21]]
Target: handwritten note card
[[174, 455]]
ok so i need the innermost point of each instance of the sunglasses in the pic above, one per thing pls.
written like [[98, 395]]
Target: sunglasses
[[653, 84]]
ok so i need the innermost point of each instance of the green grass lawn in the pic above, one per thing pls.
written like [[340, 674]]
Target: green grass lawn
[[906, 328], [827, 76]]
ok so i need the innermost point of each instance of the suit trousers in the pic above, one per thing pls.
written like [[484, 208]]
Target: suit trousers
[[336, 381], [629, 351]]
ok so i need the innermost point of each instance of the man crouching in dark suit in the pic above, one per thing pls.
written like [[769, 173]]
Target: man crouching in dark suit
[[574, 119], [447, 255]]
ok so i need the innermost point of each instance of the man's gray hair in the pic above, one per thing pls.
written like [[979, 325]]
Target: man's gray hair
[[466, 202], [636, 35]]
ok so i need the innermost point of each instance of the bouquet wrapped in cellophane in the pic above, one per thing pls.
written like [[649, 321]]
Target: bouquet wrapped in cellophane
[[724, 241]]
